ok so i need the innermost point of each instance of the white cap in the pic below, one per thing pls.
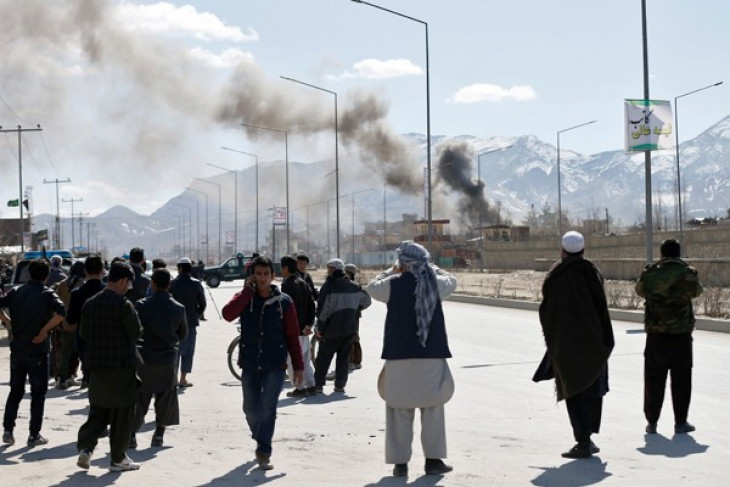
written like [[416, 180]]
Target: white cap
[[184, 260], [336, 264], [573, 242]]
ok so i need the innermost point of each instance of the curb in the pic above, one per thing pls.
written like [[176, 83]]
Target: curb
[[706, 324]]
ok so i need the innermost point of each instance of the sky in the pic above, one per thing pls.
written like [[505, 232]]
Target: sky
[[136, 98]]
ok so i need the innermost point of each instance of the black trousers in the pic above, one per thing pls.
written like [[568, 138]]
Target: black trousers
[[121, 421], [35, 369], [667, 353], [584, 411], [327, 349], [167, 408]]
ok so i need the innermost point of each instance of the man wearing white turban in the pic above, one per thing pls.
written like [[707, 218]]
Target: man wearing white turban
[[415, 349]]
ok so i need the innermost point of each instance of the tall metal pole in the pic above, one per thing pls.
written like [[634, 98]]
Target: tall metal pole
[[560, 206], [190, 225], [428, 115], [680, 217], [286, 152], [72, 201], [20, 131], [197, 230], [353, 216], [479, 174], [235, 204], [647, 154], [256, 246], [57, 230], [207, 237], [337, 154], [385, 225], [220, 252]]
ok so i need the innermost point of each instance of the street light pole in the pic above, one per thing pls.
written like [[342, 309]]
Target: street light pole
[[428, 114], [286, 161], [190, 225], [353, 217], [197, 226], [207, 237], [256, 246], [337, 153], [235, 197], [680, 217], [560, 206], [479, 172], [220, 259]]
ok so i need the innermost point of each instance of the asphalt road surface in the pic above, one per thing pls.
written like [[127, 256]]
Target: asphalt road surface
[[503, 430]]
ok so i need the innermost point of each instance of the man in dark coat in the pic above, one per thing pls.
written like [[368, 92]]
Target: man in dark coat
[[579, 338], [163, 327], [669, 286], [141, 282], [110, 329], [34, 311], [340, 300], [188, 291]]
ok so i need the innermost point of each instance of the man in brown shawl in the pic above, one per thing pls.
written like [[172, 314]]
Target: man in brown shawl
[[579, 338]]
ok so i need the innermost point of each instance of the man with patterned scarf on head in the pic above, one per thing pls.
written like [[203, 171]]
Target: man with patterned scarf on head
[[415, 349]]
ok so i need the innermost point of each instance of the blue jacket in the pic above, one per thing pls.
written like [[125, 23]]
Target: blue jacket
[[269, 330], [400, 340]]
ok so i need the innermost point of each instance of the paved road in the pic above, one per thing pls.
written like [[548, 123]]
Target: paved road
[[503, 430]]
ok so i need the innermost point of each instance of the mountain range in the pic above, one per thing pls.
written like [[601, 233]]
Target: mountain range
[[520, 176]]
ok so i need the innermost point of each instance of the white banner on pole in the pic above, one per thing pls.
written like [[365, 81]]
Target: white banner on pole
[[280, 215], [648, 125]]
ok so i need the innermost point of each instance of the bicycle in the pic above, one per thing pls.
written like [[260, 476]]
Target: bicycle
[[233, 355]]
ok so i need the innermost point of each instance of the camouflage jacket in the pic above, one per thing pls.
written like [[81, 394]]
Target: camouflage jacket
[[668, 287]]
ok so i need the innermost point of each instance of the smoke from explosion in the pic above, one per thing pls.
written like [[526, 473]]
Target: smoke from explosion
[[455, 169], [137, 77]]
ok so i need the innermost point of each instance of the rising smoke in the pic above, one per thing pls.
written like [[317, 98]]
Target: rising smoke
[[455, 169]]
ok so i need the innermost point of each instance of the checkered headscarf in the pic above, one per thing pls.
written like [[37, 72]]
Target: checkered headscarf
[[427, 292]]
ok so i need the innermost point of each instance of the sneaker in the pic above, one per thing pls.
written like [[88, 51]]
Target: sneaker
[[312, 390], [8, 438], [71, 382], [124, 466], [358, 366], [400, 470], [35, 440], [84, 459], [264, 461], [594, 448], [651, 428], [318, 389], [340, 389], [435, 466], [580, 450], [297, 393], [330, 375], [683, 428], [133, 442]]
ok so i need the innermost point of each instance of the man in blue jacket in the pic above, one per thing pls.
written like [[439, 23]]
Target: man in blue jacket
[[188, 291], [269, 329]]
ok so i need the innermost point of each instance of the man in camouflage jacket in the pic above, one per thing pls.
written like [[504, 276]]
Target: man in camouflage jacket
[[668, 287]]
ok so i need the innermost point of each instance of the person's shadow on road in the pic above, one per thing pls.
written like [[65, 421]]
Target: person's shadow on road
[[244, 474], [676, 447], [422, 481], [576, 473]]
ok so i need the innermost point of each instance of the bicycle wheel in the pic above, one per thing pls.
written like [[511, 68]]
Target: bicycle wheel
[[233, 358]]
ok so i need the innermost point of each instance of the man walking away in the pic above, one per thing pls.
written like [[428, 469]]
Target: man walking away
[[295, 287], [188, 291], [340, 300], [269, 329], [55, 273], [66, 358], [110, 329], [416, 374], [668, 287], [34, 311], [579, 338], [141, 280], [163, 326]]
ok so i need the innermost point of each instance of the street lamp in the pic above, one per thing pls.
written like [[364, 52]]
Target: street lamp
[[479, 171], [219, 215], [235, 204], [337, 153], [353, 217], [207, 238], [190, 225], [676, 148], [286, 161], [180, 236], [256, 247], [428, 115], [560, 207]]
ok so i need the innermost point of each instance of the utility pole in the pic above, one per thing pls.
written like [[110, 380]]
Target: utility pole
[[81, 229], [72, 201], [20, 131], [57, 231]]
